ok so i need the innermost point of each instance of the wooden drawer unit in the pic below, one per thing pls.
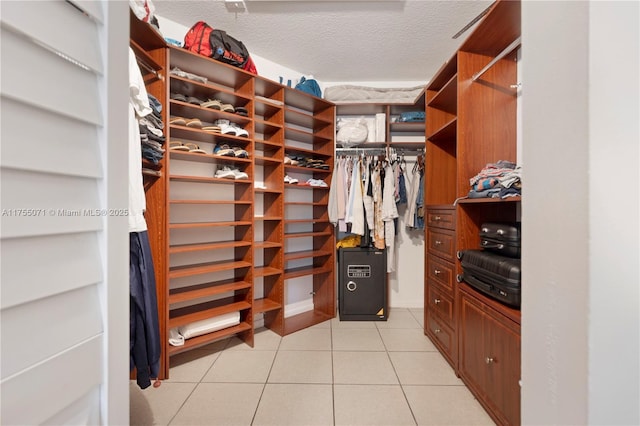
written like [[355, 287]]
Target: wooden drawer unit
[[441, 272], [441, 243], [439, 291], [440, 304], [441, 218], [441, 335]]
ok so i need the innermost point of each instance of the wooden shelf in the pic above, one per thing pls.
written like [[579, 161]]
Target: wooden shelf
[[445, 133], [264, 271], [199, 341], [206, 158], [305, 254], [305, 270], [185, 294], [307, 234], [516, 199], [265, 305], [304, 119], [190, 314], [205, 268], [186, 248], [206, 179], [266, 245], [231, 202], [224, 224]]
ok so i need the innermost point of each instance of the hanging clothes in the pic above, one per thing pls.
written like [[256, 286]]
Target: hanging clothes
[[389, 214], [355, 209], [144, 331], [138, 107]]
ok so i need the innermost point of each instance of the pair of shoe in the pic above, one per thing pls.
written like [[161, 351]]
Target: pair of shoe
[[289, 179], [230, 151], [189, 147], [184, 98], [228, 172], [227, 127], [189, 122], [317, 182], [290, 160], [218, 105]]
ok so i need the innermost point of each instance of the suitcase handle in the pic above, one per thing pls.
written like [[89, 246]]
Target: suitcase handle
[[485, 244]]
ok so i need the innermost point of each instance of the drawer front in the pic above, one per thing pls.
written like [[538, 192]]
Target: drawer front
[[441, 304], [441, 333], [441, 243], [441, 218], [440, 272]]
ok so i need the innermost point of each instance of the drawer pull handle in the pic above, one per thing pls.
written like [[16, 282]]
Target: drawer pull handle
[[438, 242], [437, 271], [488, 360], [437, 330], [436, 301], [437, 218]]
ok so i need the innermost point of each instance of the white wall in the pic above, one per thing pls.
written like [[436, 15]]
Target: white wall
[[580, 327], [614, 139]]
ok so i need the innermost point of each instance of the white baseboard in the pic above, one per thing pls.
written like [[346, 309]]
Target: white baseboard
[[298, 307]]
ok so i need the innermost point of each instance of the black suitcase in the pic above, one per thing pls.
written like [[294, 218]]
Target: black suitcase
[[494, 275], [501, 238]]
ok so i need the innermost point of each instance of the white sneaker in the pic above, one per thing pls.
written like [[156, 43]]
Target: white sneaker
[[239, 175], [225, 127], [288, 179], [225, 172], [239, 130], [317, 182]]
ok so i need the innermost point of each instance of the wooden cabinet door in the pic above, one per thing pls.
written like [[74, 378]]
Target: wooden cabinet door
[[472, 362], [503, 367]]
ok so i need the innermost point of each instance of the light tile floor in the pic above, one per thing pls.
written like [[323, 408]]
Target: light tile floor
[[334, 373]]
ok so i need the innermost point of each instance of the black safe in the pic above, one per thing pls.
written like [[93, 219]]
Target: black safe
[[362, 284]]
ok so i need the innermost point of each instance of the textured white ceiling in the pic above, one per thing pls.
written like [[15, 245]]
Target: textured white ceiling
[[341, 41]]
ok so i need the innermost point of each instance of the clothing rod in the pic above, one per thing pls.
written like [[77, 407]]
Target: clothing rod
[[501, 55], [399, 151]]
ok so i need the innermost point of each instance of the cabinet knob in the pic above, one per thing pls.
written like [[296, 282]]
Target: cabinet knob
[[437, 218], [437, 271], [488, 360], [436, 301], [437, 330], [438, 242]]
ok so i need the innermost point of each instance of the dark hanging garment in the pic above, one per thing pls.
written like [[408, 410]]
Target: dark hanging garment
[[144, 330]]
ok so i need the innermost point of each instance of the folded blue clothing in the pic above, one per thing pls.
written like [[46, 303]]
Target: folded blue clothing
[[487, 193], [154, 103]]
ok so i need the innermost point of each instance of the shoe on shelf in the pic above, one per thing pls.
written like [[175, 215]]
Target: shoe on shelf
[[317, 183], [240, 174], [193, 100], [178, 97], [177, 120], [289, 179], [228, 108], [213, 104], [225, 127], [225, 173], [239, 130], [195, 123], [224, 150], [287, 159], [239, 152]]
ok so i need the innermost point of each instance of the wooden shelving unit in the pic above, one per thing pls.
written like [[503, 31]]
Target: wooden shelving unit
[[471, 122], [219, 243]]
